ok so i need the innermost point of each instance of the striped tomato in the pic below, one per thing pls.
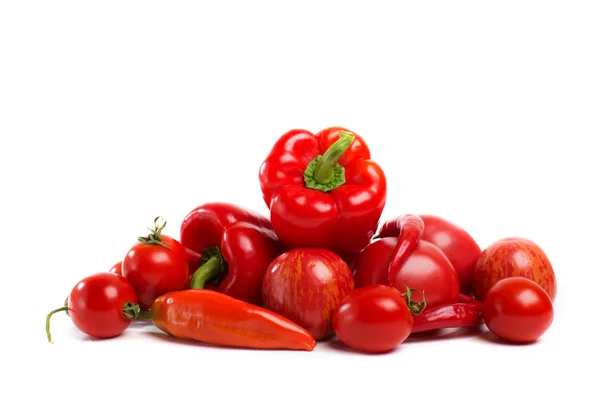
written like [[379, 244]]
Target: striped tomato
[[306, 285]]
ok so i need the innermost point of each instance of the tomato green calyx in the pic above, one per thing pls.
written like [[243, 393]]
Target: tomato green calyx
[[155, 236], [131, 310], [64, 308], [415, 307], [324, 173], [212, 270]]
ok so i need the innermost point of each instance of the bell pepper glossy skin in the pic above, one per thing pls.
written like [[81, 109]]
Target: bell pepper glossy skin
[[306, 209], [238, 246]]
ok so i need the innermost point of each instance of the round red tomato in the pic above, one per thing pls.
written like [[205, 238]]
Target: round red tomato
[[156, 265], [154, 270], [456, 243], [373, 319], [101, 305], [518, 310], [426, 269]]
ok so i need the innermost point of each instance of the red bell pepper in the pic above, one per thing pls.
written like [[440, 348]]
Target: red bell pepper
[[237, 246], [323, 190]]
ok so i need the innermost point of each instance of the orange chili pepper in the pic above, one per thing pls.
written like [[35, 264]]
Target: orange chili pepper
[[215, 318]]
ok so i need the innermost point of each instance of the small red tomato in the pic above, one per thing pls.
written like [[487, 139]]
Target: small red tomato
[[116, 269], [101, 305], [426, 269], [156, 265], [373, 319], [513, 257], [456, 243], [306, 285], [518, 310]]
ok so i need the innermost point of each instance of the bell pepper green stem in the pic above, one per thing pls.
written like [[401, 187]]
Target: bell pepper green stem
[[50, 314], [206, 272], [324, 171]]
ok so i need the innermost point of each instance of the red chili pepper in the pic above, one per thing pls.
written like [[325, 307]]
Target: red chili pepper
[[405, 259], [458, 315], [237, 246], [410, 228], [463, 298], [323, 190], [216, 318]]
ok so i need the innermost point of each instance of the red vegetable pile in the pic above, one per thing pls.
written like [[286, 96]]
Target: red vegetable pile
[[322, 265]]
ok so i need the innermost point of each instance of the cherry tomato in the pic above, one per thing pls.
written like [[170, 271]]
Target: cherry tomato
[[456, 243], [373, 319], [156, 265], [116, 269], [518, 310], [426, 269], [101, 305]]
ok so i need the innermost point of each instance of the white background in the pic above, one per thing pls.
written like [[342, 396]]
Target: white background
[[112, 113]]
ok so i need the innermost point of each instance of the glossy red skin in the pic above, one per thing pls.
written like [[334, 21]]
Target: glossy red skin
[[342, 220], [426, 269], [373, 319], [116, 269], [154, 270], [246, 240], [513, 257], [96, 304], [456, 243], [457, 315], [211, 317], [306, 286], [518, 310], [194, 260]]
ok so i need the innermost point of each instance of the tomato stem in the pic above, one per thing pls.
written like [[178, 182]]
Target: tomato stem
[[131, 310], [324, 172], [155, 236], [145, 314], [415, 307], [64, 308]]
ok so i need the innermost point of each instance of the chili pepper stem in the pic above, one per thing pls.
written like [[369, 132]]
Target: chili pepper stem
[[64, 308], [324, 172]]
